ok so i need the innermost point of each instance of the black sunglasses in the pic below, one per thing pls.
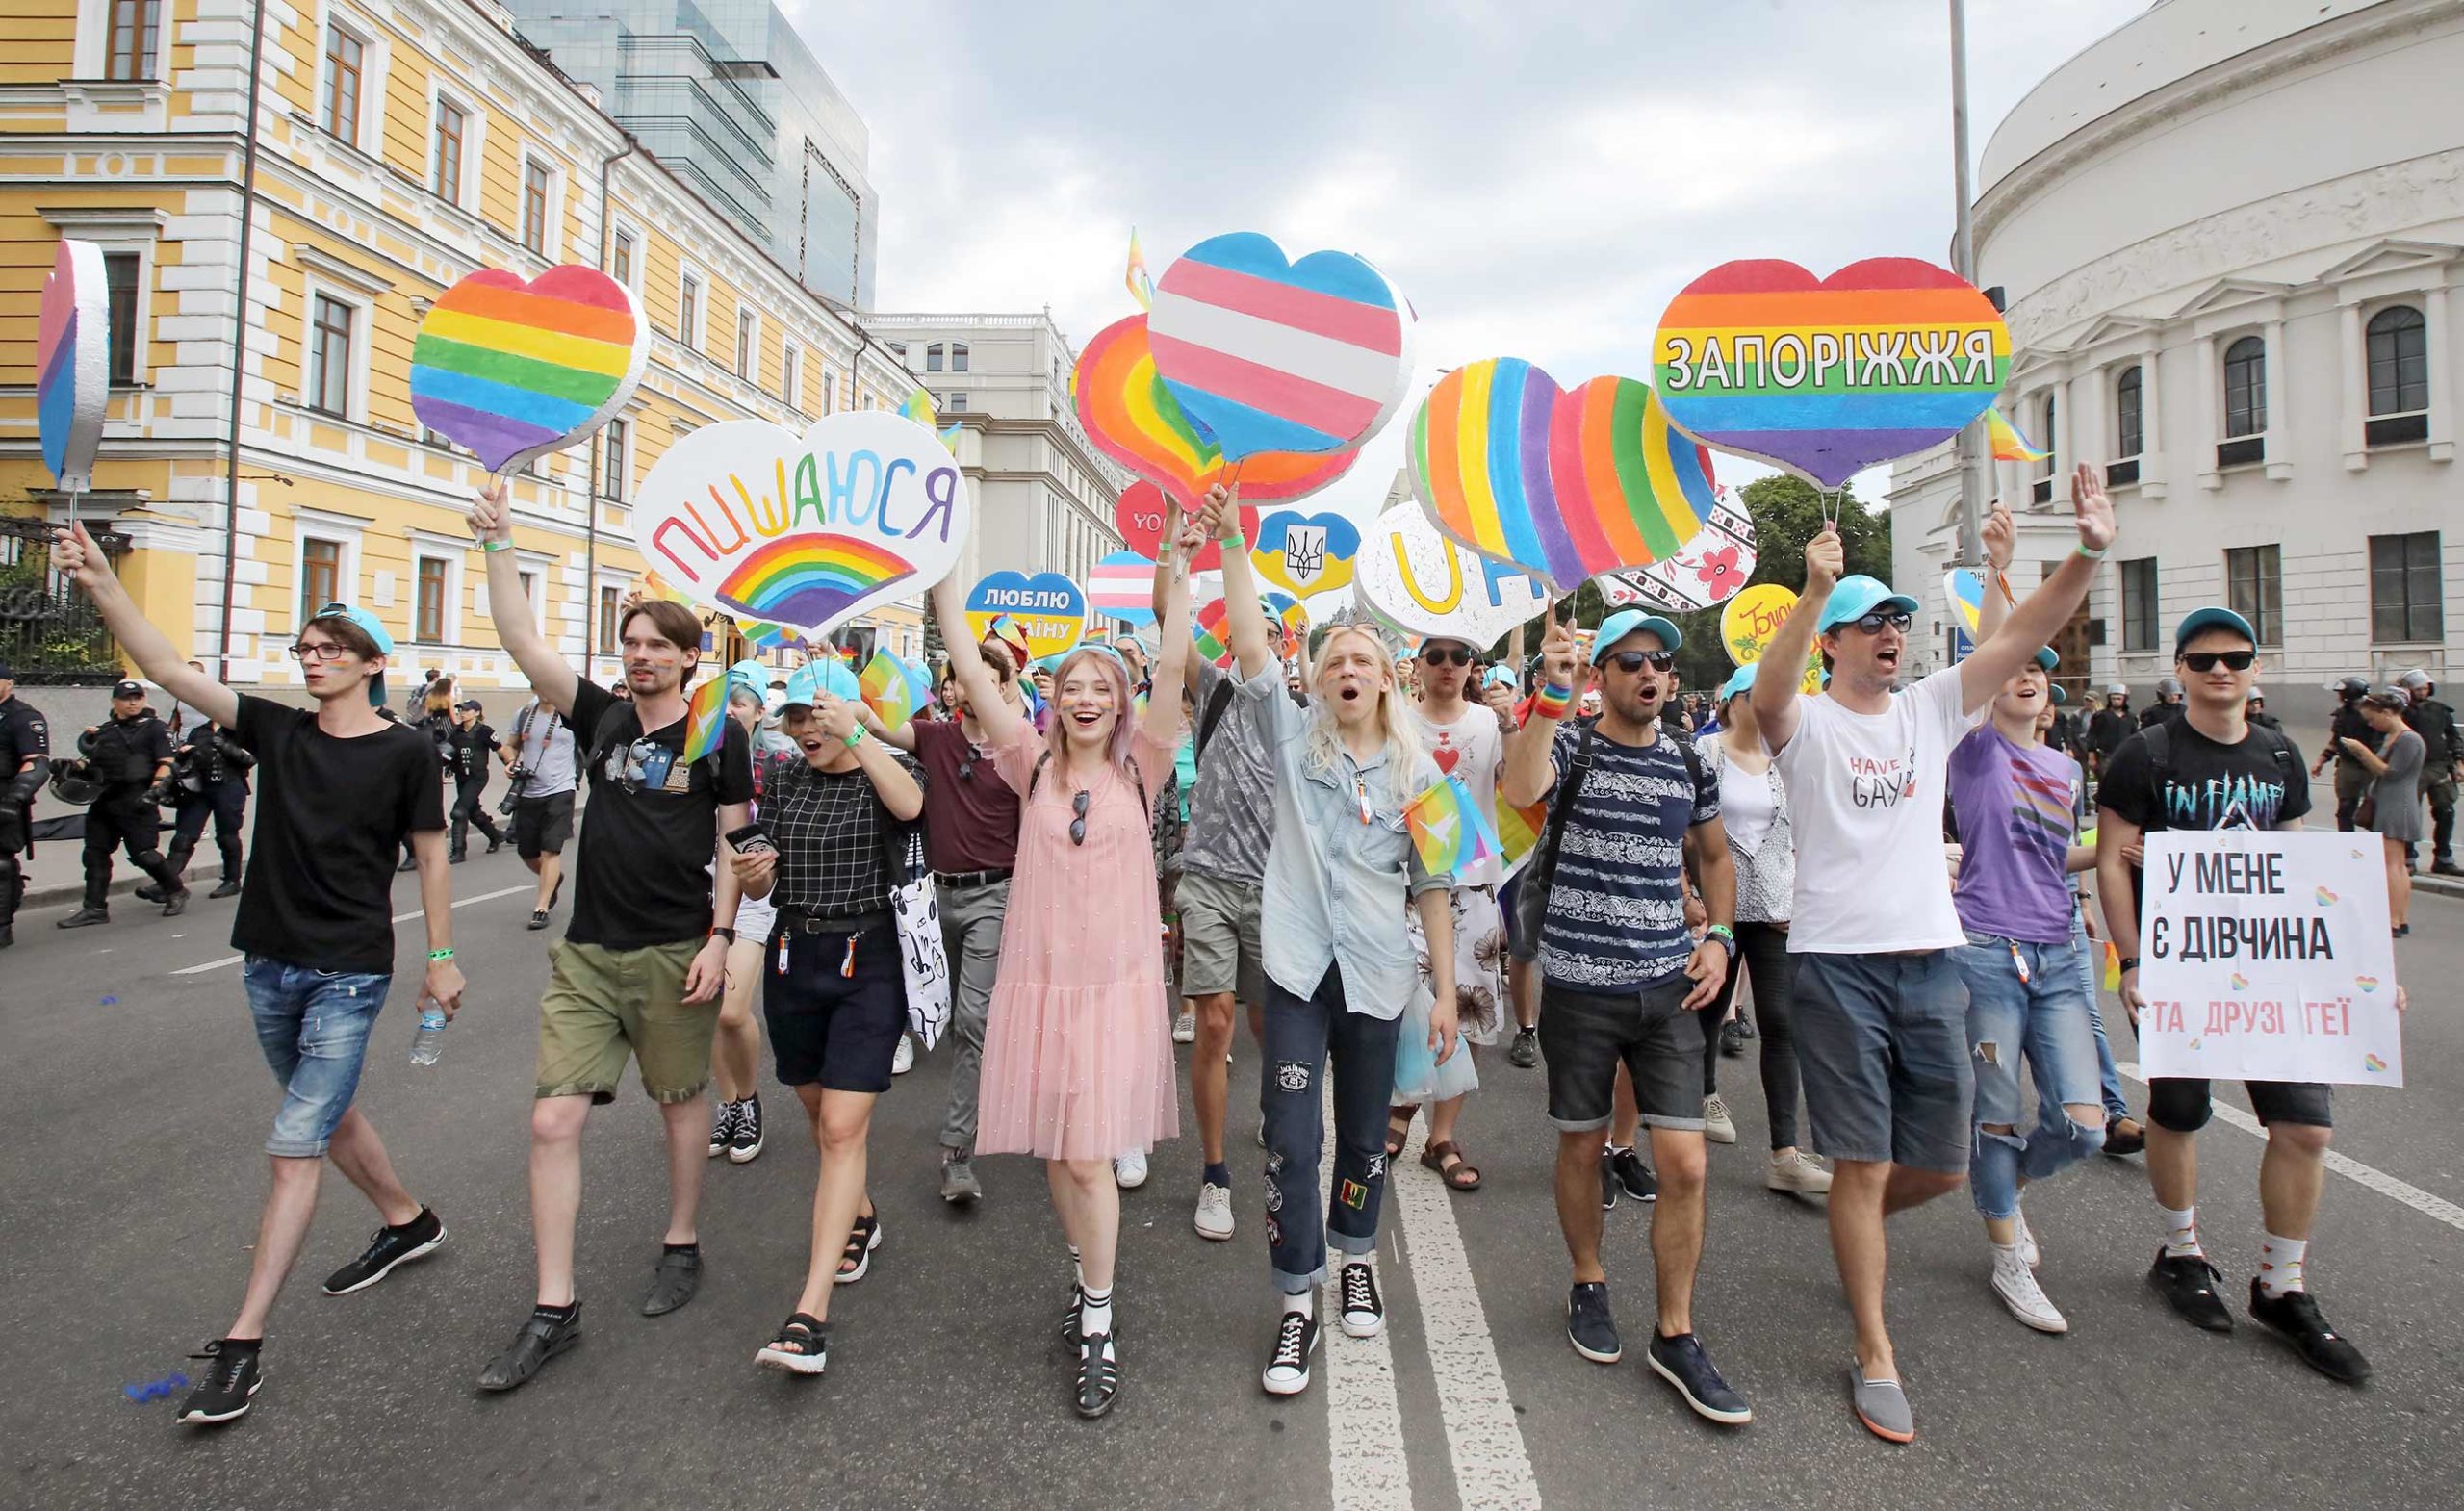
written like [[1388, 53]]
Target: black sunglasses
[[1438, 657], [2204, 661], [1078, 823], [1897, 618], [1631, 661]]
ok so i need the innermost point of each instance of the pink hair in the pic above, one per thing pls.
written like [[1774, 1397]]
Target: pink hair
[[1125, 721]]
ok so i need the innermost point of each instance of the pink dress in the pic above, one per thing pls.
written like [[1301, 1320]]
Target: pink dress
[[1077, 1042]]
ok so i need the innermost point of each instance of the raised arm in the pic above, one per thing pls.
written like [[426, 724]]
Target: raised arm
[[983, 690], [1783, 666], [2047, 609], [517, 626], [1164, 550], [892, 782], [1529, 773], [1173, 617], [1252, 646], [74, 553], [2001, 546]]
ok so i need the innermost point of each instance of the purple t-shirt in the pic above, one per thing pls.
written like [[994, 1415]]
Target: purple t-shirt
[[2015, 822]]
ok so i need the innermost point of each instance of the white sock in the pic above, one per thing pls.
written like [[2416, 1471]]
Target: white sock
[[2280, 1264], [1304, 1302], [2181, 1232], [1096, 1313], [2006, 1256]]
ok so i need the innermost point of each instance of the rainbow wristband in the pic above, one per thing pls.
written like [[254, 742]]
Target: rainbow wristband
[[1552, 702]]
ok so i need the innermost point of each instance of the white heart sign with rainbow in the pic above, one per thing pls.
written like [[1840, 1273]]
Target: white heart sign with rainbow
[[868, 507]]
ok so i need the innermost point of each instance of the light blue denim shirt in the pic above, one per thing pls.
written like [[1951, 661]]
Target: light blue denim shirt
[[1336, 887]]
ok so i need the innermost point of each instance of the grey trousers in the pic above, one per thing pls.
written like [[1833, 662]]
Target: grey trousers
[[971, 934]]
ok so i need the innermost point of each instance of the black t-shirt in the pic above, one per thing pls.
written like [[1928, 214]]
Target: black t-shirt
[[331, 817], [2258, 784], [649, 835]]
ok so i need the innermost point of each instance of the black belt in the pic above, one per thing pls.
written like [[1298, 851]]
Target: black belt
[[971, 877], [807, 920]]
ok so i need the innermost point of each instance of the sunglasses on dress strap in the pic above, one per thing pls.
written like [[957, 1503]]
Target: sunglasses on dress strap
[[1078, 818]]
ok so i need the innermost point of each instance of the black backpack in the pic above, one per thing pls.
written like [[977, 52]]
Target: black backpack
[[2160, 752]]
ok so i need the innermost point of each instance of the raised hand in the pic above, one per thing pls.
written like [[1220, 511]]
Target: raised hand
[[1825, 560], [2094, 507], [75, 556], [2001, 537], [490, 511], [1557, 653]]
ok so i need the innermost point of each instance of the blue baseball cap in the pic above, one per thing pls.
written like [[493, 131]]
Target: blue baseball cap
[[369, 626], [2047, 659], [1628, 620], [1857, 595], [821, 675], [1500, 677], [1741, 680], [752, 673], [2059, 695], [2211, 617]]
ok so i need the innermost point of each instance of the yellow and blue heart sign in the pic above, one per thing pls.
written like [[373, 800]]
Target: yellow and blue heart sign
[[1048, 609], [1305, 553]]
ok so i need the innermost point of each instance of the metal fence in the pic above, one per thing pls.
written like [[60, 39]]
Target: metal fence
[[50, 631]]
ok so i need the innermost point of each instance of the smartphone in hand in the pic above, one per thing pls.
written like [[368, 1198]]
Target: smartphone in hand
[[751, 838]]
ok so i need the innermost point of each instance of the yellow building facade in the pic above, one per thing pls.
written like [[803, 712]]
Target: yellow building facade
[[399, 145]]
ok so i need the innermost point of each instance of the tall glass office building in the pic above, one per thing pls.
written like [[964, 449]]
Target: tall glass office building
[[726, 94]]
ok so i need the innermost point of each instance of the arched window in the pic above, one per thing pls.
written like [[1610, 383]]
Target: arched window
[[933, 357], [2246, 387], [2398, 361], [958, 356], [2045, 438], [2130, 436]]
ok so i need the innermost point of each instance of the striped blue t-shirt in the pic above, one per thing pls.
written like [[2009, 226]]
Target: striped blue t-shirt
[[1617, 904]]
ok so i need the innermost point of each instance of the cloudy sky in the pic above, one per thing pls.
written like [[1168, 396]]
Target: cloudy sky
[[1538, 177]]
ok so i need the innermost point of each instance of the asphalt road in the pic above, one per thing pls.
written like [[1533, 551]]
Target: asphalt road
[[137, 1107]]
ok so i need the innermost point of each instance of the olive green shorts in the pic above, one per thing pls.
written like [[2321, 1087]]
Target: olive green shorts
[[605, 1005]]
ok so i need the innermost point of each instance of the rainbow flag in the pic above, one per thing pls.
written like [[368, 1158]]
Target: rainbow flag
[[705, 719], [2113, 967], [1141, 288], [1447, 828], [892, 689], [2009, 444], [1005, 629], [1519, 831]]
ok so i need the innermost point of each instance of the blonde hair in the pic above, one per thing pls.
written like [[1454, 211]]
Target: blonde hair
[[1403, 741]]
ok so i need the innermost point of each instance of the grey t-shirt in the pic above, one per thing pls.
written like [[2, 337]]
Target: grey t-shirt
[[546, 748], [1232, 811]]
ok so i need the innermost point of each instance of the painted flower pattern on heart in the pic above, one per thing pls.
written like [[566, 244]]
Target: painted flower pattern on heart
[[1721, 572]]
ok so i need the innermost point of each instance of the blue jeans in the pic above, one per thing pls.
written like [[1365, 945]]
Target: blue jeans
[[2026, 999], [2090, 963], [1302, 1034], [313, 1026]]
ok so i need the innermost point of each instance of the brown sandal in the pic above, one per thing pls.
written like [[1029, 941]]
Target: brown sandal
[[1398, 1128], [1460, 1174]]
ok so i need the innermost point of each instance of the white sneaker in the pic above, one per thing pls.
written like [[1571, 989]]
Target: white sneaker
[[1214, 1211], [2016, 1286], [1129, 1171], [1185, 1029], [904, 1059], [1717, 1125], [2029, 1253], [1796, 1171]]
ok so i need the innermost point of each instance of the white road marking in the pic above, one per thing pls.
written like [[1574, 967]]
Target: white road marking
[[1364, 1413], [2350, 1168], [1491, 1467], [416, 912]]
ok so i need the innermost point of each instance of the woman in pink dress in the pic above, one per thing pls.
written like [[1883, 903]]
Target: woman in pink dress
[[1077, 1042]]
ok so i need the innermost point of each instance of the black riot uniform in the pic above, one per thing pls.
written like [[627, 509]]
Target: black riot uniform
[[209, 768], [25, 764], [126, 755], [467, 758]]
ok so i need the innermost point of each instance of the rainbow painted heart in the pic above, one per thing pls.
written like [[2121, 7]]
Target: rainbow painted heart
[[72, 361], [1565, 483], [1305, 552], [1131, 418], [2326, 899], [514, 371], [2240, 982], [747, 518], [1829, 376], [1048, 609], [1268, 354], [2366, 983]]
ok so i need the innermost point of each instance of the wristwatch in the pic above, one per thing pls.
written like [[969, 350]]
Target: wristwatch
[[2130, 962]]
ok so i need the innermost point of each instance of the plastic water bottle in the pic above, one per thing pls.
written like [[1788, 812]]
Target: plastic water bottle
[[429, 1041]]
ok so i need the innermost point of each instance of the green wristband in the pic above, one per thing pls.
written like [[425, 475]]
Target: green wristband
[[439, 957], [855, 736]]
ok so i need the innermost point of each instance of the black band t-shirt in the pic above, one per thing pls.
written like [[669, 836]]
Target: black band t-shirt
[[650, 833], [331, 817]]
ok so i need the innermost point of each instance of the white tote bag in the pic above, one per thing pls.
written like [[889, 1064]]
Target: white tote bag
[[922, 955]]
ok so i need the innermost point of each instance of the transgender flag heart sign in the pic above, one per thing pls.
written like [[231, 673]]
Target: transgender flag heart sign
[[514, 371], [747, 520], [1266, 354]]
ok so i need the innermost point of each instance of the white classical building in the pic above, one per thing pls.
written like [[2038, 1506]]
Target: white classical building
[[2230, 235]]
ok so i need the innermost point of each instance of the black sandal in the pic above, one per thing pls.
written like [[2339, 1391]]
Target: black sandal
[[1398, 1128], [1098, 1374], [1070, 1334], [802, 1347], [861, 1241]]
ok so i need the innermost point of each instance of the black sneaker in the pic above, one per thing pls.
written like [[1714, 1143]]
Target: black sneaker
[[744, 1143], [176, 904], [1609, 1188], [2122, 1143], [1524, 1052], [1681, 1362], [1364, 1314], [228, 887], [2188, 1284], [85, 918], [387, 1247], [2293, 1316], [722, 1128], [538, 920], [1589, 1326], [1732, 1037], [1296, 1339], [545, 1335], [232, 1376], [1633, 1175]]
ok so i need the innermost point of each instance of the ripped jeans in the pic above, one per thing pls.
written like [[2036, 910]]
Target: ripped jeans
[[2026, 999]]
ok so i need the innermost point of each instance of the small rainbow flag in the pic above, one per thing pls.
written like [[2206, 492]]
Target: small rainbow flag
[[1005, 629], [1141, 288], [2009, 444], [2113, 967], [1447, 828], [1519, 831], [892, 689], [1212, 630], [705, 719]]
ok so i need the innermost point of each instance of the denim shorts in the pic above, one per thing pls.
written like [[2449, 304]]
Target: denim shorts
[[1585, 1035], [1882, 1044], [313, 1026]]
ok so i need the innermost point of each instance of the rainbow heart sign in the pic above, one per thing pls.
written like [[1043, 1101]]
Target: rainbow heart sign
[[1266, 354], [1131, 418], [1305, 552], [1565, 483], [1827, 377], [1418, 583], [514, 371], [72, 362], [748, 519], [1048, 609]]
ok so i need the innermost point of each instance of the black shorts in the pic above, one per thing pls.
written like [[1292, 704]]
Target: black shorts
[[835, 1032], [542, 824], [2179, 1104], [1585, 1035]]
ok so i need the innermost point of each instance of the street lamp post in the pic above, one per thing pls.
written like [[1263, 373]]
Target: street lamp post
[[1975, 456]]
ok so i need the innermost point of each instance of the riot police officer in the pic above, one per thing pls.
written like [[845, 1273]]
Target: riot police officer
[[466, 758], [2168, 703], [131, 756], [210, 769], [25, 761], [2352, 780]]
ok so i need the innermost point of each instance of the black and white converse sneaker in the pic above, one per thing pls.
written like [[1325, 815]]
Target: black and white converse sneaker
[[1364, 1313], [1296, 1339], [744, 1140], [722, 1128], [232, 1376], [387, 1247]]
